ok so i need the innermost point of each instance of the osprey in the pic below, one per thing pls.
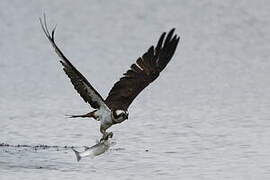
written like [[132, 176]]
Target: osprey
[[114, 109]]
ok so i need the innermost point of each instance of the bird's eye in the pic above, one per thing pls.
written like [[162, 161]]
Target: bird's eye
[[125, 115], [117, 114], [120, 113]]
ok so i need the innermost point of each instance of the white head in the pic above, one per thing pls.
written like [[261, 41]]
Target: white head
[[120, 115]]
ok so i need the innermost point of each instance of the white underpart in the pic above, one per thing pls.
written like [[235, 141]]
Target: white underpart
[[103, 113], [104, 116]]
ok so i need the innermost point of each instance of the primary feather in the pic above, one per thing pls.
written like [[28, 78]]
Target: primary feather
[[146, 69]]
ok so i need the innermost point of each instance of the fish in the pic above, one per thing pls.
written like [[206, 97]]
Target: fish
[[101, 147]]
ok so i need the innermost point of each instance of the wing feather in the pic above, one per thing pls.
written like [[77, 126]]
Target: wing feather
[[80, 83], [143, 72]]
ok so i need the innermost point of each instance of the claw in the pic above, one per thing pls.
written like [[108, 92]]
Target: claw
[[106, 136], [103, 137]]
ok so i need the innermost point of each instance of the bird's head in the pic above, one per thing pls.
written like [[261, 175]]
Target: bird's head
[[120, 115]]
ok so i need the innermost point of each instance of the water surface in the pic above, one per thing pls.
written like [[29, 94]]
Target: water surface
[[206, 117]]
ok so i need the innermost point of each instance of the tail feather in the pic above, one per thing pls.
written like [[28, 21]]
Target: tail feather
[[76, 116], [77, 155], [89, 115]]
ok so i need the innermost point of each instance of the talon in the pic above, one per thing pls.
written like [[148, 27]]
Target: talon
[[110, 135], [103, 137], [106, 136]]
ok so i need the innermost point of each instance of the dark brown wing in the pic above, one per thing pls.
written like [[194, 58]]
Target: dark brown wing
[[141, 74], [80, 83]]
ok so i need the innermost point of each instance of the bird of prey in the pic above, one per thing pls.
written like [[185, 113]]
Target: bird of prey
[[114, 109]]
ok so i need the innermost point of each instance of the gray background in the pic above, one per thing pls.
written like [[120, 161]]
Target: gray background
[[206, 117]]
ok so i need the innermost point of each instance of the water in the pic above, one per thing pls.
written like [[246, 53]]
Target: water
[[206, 117]]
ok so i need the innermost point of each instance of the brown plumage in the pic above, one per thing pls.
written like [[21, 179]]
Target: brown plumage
[[113, 110], [141, 74], [80, 83]]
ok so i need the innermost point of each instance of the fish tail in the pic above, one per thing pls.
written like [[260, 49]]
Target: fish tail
[[78, 156]]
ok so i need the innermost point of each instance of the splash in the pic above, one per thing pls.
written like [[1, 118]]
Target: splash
[[6, 147]]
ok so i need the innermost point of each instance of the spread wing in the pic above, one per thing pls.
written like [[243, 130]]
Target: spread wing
[[143, 72], [80, 83]]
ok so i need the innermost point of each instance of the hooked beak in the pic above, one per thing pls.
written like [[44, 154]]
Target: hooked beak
[[126, 116]]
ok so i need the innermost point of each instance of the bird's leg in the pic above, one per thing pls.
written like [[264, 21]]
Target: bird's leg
[[104, 133]]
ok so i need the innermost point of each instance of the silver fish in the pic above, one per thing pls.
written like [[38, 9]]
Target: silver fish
[[99, 148]]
